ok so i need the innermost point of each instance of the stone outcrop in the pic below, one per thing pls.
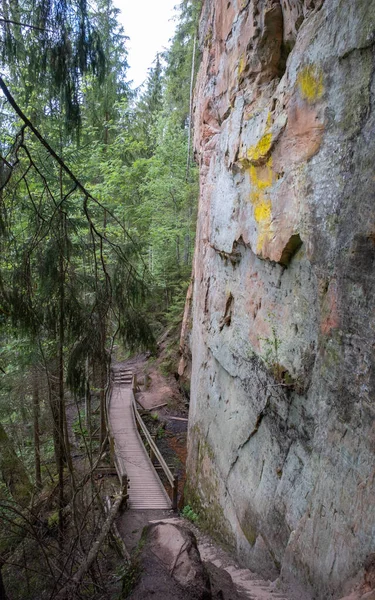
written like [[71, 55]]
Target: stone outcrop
[[170, 566], [281, 428]]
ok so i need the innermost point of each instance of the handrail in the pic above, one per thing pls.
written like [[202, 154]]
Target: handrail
[[173, 480], [121, 472]]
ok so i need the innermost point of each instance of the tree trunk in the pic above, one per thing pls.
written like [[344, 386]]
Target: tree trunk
[[13, 471], [88, 408], [3, 594], [53, 397], [61, 406], [36, 413], [103, 383]]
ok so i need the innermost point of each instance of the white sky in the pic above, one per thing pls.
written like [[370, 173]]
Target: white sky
[[149, 26]]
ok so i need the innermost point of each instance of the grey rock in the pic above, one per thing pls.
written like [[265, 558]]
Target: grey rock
[[281, 425]]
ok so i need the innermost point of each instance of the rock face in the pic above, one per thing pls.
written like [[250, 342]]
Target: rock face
[[171, 566], [282, 430]]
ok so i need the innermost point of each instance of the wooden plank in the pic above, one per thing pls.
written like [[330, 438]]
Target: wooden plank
[[145, 489], [153, 445]]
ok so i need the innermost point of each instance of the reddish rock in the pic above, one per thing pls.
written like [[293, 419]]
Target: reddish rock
[[281, 444]]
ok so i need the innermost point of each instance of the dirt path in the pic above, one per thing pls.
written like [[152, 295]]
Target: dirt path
[[228, 579]]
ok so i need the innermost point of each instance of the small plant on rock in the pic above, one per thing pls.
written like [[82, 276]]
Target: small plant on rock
[[189, 514]]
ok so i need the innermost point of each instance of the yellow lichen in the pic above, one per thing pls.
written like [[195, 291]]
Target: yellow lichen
[[262, 211], [261, 149], [310, 83], [256, 197], [264, 235], [241, 65], [261, 179]]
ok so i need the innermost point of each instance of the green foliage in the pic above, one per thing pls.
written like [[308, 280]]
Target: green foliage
[[271, 357], [77, 268], [160, 433], [53, 520], [130, 572], [78, 424], [272, 346], [50, 46], [179, 59], [81, 269], [130, 577], [189, 514]]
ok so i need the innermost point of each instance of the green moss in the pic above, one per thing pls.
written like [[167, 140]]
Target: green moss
[[208, 37], [204, 449], [202, 493], [130, 577], [131, 571], [53, 520], [248, 527]]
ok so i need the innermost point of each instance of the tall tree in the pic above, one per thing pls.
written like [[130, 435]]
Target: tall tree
[[50, 45], [149, 105], [96, 230]]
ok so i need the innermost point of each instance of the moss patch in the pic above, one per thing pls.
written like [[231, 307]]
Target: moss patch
[[202, 492], [248, 527]]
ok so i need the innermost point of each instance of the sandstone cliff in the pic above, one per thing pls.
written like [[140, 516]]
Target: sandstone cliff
[[282, 433]]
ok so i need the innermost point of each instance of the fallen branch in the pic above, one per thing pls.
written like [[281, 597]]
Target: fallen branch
[[115, 531], [67, 590]]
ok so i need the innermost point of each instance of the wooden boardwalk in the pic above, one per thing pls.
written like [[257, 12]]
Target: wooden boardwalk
[[144, 486]]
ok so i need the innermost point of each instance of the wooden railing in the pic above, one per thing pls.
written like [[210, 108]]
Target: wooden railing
[[154, 450], [115, 457]]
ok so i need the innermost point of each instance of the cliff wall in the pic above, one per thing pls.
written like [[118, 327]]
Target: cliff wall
[[282, 434]]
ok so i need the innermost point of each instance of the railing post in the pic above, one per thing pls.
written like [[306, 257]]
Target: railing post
[[152, 454], [124, 485], [146, 380], [175, 492], [112, 451]]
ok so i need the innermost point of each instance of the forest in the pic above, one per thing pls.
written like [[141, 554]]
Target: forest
[[98, 197]]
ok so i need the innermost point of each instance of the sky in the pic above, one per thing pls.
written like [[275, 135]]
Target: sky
[[149, 26]]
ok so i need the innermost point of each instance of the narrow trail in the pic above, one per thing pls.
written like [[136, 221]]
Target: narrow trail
[[247, 584], [144, 486], [149, 502]]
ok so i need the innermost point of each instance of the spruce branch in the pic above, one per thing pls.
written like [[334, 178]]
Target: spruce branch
[[11, 22], [4, 88]]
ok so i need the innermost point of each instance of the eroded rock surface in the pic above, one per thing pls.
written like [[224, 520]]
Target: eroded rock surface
[[170, 566], [282, 429]]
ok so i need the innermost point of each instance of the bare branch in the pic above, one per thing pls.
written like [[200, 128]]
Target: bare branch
[[10, 22], [85, 566]]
